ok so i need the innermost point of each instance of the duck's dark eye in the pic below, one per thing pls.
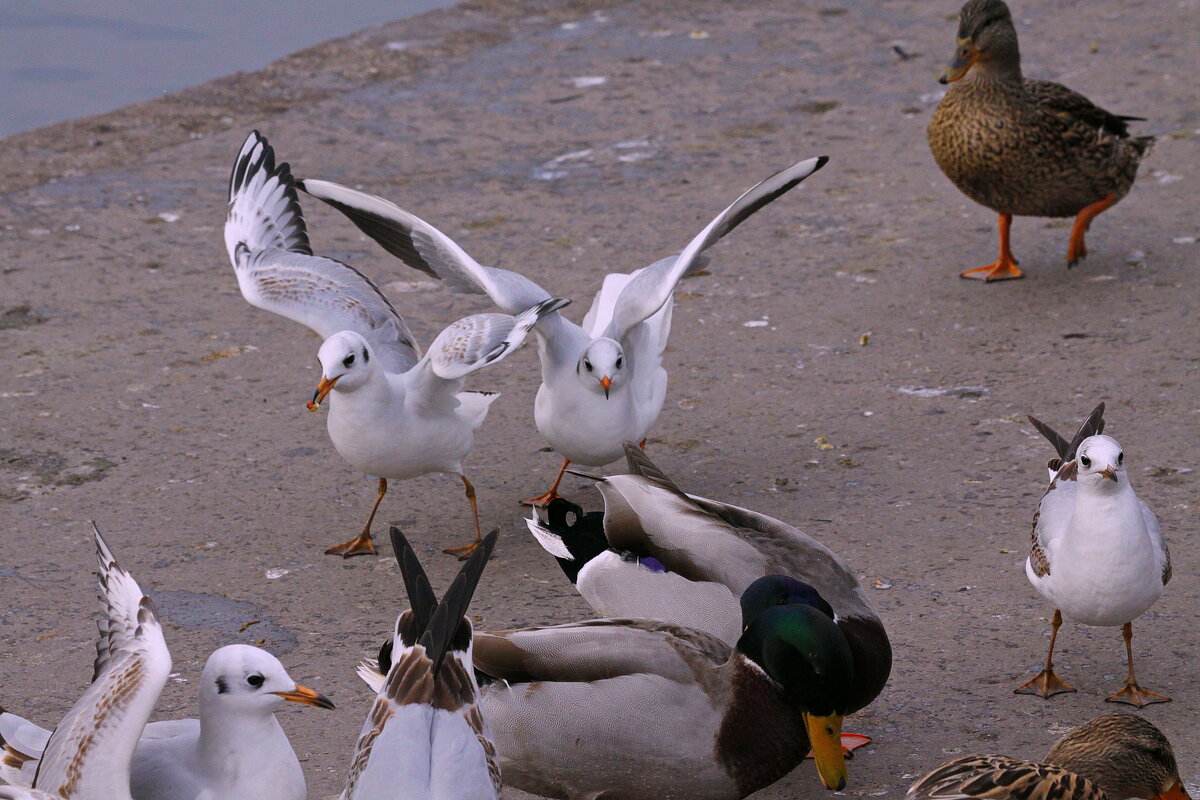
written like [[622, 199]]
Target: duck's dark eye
[[587, 365], [1120, 458], [348, 360], [255, 681], [1087, 462]]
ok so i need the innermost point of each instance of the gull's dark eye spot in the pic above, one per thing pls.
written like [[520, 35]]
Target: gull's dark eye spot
[[348, 360], [619, 360], [222, 687], [255, 681], [587, 365], [1087, 462], [1120, 458]]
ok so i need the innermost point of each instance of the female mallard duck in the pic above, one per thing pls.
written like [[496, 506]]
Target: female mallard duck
[[1113, 756], [1098, 553], [642, 710], [1025, 147]]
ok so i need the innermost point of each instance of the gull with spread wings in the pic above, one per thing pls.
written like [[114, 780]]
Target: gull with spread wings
[[603, 383]]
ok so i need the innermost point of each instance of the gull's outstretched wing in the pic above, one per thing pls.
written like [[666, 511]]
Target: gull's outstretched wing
[[423, 247], [651, 287], [276, 270], [90, 751]]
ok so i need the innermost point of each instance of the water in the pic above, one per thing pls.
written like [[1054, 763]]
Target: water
[[61, 59]]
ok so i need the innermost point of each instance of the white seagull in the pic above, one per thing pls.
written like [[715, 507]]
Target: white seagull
[[236, 750], [603, 383], [425, 736], [88, 755], [1098, 553], [392, 413]]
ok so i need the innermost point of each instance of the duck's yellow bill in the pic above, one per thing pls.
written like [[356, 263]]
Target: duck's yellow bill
[[825, 738]]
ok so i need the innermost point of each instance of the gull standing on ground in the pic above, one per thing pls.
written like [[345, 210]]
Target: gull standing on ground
[[88, 755], [392, 413], [425, 736], [603, 383], [236, 750], [1098, 553]]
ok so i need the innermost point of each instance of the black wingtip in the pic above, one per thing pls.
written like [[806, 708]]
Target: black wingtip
[[821, 161], [421, 598], [448, 617]]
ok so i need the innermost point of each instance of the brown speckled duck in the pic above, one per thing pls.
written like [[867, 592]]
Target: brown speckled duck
[[1111, 757], [1025, 147]]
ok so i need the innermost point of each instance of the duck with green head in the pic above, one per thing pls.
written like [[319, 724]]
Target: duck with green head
[[1025, 147], [642, 710]]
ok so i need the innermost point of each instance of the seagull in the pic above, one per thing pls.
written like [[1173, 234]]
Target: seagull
[[393, 413], [236, 750], [87, 757], [425, 736], [1098, 554], [603, 383]]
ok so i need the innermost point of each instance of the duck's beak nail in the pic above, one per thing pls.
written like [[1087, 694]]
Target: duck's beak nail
[[303, 694]]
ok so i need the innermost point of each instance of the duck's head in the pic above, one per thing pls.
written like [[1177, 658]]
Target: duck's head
[[240, 679], [986, 37], [790, 632], [1123, 753], [345, 363], [1100, 464], [601, 367]]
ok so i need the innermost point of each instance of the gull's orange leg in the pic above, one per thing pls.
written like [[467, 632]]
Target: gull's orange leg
[[543, 500], [1076, 248], [1046, 683], [1132, 693], [361, 545], [1004, 268], [465, 551]]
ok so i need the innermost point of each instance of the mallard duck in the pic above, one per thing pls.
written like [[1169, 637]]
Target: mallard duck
[[603, 382], [1025, 147], [1112, 757], [642, 710], [425, 736], [393, 413], [678, 558], [1097, 553]]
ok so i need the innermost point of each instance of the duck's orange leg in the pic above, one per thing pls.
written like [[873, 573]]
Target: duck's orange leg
[[543, 500], [465, 550], [1046, 683], [1132, 693], [1004, 268], [361, 545], [1076, 247]]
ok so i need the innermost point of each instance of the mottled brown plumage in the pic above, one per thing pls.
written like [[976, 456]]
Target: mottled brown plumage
[[1025, 147], [1111, 757]]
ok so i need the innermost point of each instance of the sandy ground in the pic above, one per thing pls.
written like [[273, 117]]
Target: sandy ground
[[143, 392]]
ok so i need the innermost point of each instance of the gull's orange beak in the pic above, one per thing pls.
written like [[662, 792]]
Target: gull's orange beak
[[966, 55], [1176, 792], [305, 695], [606, 382], [323, 389], [1109, 473]]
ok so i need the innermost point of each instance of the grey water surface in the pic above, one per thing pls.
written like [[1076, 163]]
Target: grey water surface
[[61, 59]]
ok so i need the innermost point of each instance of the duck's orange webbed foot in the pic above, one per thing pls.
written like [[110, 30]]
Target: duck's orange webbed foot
[[1003, 268], [1076, 246]]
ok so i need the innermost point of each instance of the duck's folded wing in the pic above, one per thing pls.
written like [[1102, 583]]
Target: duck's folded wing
[[651, 287], [423, 247], [1002, 778], [90, 752], [596, 650]]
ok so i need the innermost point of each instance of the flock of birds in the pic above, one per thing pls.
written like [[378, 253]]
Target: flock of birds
[[729, 643]]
